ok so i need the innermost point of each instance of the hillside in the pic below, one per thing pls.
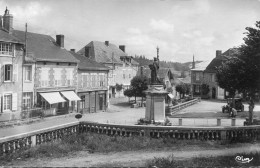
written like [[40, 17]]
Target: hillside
[[166, 64]]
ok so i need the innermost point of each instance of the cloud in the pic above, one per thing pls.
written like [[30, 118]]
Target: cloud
[[134, 30], [161, 25]]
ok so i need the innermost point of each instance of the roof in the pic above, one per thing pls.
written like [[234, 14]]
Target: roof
[[44, 47], [100, 52], [201, 66], [217, 61], [88, 64], [213, 65], [6, 37], [186, 80], [162, 72], [132, 59]]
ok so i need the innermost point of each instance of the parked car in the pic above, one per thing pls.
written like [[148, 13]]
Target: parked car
[[233, 103]]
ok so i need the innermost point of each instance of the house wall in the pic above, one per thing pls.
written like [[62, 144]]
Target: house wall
[[50, 82], [196, 81], [14, 86], [121, 74], [46, 81]]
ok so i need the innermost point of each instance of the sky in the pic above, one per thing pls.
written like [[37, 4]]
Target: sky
[[180, 28]]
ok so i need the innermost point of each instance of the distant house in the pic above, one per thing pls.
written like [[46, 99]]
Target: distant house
[[92, 85], [122, 67], [205, 73], [197, 77], [164, 74]]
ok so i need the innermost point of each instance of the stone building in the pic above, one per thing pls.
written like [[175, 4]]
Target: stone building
[[92, 85], [55, 77], [122, 67], [16, 90]]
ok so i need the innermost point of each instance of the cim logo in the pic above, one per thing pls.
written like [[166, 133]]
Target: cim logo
[[240, 159]]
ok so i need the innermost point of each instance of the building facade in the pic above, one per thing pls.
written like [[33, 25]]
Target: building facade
[[92, 85], [54, 74], [122, 67], [16, 82]]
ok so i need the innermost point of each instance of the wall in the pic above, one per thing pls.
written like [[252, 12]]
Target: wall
[[51, 67], [122, 74], [13, 87]]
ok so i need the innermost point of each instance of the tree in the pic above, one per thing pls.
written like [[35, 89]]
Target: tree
[[242, 72], [205, 89], [182, 89], [129, 93], [138, 85], [119, 87]]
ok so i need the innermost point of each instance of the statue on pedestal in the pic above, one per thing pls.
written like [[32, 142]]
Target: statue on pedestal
[[154, 71]]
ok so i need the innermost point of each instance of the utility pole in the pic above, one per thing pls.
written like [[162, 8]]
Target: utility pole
[[23, 60]]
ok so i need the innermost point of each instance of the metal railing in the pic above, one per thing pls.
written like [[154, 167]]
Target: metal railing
[[173, 109]]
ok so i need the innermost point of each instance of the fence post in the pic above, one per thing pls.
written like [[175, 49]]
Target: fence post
[[218, 122], [233, 122], [33, 139], [180, 121]]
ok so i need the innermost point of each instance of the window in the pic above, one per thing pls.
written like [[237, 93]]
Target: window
[[44, 81], [27, 100], [197, 88], [197, 74], [124, 76], [69, 76], [6, 49], [212, 77], [129, 75], [7, 102], [28, 73], [57, 76], [8, 72]]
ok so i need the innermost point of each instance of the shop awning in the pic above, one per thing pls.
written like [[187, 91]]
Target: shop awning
[[70, 95], [171, 95], [52, 97]]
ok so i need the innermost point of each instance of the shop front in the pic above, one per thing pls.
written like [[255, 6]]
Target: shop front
[[92, 101], [57, 103]]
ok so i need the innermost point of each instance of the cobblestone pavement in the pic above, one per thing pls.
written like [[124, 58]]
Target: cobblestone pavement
[[119, 112]]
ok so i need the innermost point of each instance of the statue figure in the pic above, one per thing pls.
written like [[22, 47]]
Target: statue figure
[[154, 71]]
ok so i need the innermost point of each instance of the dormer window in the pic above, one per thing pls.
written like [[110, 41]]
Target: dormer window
[[6, 49]]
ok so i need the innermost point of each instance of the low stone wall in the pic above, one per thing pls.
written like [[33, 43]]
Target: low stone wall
[[14, 143], [9, 145], [175, 132]]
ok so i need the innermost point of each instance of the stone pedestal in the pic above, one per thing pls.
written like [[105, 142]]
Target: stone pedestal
[[155, 103]]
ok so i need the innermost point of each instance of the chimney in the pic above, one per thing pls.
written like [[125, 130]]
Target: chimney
[[218, 53], [122, 47], [107, 43], [142, 70], [193, 63], [60, 40], [72, 50], [87, 51], [8, 21]]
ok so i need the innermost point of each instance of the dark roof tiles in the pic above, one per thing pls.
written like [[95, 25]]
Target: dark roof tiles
[[88, 64], [44, 47], [6, 37]]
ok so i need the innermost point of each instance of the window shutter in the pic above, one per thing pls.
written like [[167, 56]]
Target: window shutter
[[0, 103], [2, 73], [15, 73], [14, 101]]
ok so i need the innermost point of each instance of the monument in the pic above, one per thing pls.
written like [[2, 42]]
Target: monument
[[155, 95]]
